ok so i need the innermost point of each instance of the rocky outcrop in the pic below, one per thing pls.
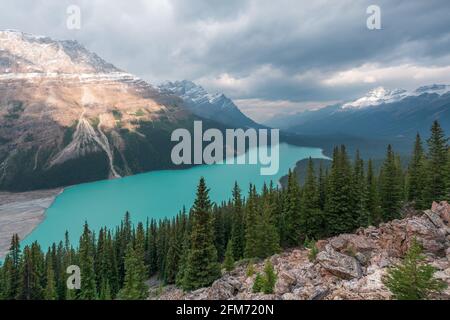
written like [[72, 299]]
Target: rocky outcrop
[[348, 266]]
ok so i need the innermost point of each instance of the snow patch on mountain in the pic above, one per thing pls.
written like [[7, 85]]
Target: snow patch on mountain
[[189, 91], [381, 95]]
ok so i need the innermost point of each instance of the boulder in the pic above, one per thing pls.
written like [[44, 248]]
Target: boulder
[[339, 264], [353, 243], [443, 210], [224, 288], [286, 280]]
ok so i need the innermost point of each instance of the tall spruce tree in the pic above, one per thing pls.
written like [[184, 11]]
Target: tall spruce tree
[[435, 189], [416, 175], [238, 226], [360, 193], [228, 262], [373, 198], [390, 187], [311, 216], [50, 287], [252, 218], [88, 290], [339, 208], [202, 267], [267, 237], [134, 287], [292, 212]]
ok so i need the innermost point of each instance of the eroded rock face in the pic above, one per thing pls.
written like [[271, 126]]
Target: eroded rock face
[[348, 266]]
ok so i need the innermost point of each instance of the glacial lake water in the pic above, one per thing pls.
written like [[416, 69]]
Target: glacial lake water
[[156, 194]]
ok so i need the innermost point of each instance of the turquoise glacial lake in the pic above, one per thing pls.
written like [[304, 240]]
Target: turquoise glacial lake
[[156, 194]]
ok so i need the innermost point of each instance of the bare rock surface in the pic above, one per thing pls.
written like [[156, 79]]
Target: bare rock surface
[[348, 266]]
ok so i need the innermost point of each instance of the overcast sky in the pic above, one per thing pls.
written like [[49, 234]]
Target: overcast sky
[[269, 56]]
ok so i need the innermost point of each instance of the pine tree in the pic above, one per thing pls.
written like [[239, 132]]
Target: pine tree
[[310, 213], [360, 193], [292, 212], [228, 263], [134, 287], [435, 189], [270, 278], [31, 274], [416, 175], [202, 267], [50, 288], [413, 279], [88, 290], [7, 290], [258, 284], [339, 208], [267, 237], [390, 187], [173, 257], [251, 225], [237, 227], [373, 198]]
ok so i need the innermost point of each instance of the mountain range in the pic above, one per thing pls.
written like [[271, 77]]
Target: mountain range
[[381, 116], [67, 116]]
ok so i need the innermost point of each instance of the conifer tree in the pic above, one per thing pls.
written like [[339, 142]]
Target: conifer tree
[[173, 257], [413, 279], [31, 274], [270, 278], [267, 237], [322, 187], [251, 225], [373, 199], [202, 267], [339, 206], [50, 288], [360, 193], [134, 287], [237, 227], [292, 212], [435, 189], [88, 290], [390, 187], [228, 263], [311, 215], [416, 175]]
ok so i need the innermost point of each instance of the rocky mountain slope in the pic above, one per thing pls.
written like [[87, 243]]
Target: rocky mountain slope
[[348, 266], [67, 116], [216, 107]]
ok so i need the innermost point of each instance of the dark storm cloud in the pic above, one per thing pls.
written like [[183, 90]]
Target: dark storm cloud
[[264, 50]]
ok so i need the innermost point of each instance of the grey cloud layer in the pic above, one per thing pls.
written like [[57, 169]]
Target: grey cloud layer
[[285, 50]]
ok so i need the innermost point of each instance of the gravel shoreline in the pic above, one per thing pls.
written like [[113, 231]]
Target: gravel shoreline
[[22, 212]]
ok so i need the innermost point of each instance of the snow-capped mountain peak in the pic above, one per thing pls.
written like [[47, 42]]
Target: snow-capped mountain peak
[[381, 95], [214, 106], [375, 97], [27, 53], [189, 91]]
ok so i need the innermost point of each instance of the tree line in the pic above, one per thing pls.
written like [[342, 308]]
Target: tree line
[[193, 248]]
